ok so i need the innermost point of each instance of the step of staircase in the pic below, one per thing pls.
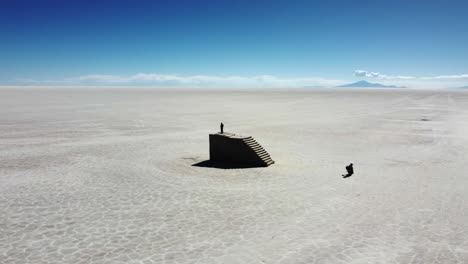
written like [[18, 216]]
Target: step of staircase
[[256, 147], [261, 153]]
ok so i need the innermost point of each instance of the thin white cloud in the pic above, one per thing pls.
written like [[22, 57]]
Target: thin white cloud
[[460, 76], [361, 73], [193, 80], [440, 81], [369, 74]]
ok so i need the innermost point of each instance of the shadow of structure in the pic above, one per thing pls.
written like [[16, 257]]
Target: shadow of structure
[[223, 165]]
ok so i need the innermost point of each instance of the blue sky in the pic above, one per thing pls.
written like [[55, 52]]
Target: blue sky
[[233, 43]]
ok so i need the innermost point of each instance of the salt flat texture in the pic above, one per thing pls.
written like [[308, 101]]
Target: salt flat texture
[[106, 176]]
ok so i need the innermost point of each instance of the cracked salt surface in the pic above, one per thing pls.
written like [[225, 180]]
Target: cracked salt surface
[[106, 176]]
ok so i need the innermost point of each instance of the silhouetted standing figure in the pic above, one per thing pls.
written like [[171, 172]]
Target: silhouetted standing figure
[[222, 128], [350, 170]]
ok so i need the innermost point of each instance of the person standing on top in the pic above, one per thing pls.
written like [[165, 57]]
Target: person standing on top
[[222, 128]]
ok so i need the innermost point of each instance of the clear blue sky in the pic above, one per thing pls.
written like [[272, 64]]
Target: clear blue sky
[[205, 42]]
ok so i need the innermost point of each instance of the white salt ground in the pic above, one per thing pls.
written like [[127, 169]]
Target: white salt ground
[[106, 176]]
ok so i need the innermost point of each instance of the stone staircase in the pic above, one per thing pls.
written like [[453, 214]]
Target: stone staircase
[[238, 149], [259, 151]]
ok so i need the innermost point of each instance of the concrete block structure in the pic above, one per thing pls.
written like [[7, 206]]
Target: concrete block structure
[[232, 148]]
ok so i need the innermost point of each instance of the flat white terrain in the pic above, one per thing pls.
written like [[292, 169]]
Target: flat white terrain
[[106, 176]]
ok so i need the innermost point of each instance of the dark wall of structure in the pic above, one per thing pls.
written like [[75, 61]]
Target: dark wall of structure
[[238, 150]]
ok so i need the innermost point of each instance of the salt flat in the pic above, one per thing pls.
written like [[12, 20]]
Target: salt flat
[[106, 176]]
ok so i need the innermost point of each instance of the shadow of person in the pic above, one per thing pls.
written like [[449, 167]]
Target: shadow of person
[[222, 165], [350, 171]]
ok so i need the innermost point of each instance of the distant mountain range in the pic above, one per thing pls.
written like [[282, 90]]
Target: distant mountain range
[[464, 87], [365, 84]]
